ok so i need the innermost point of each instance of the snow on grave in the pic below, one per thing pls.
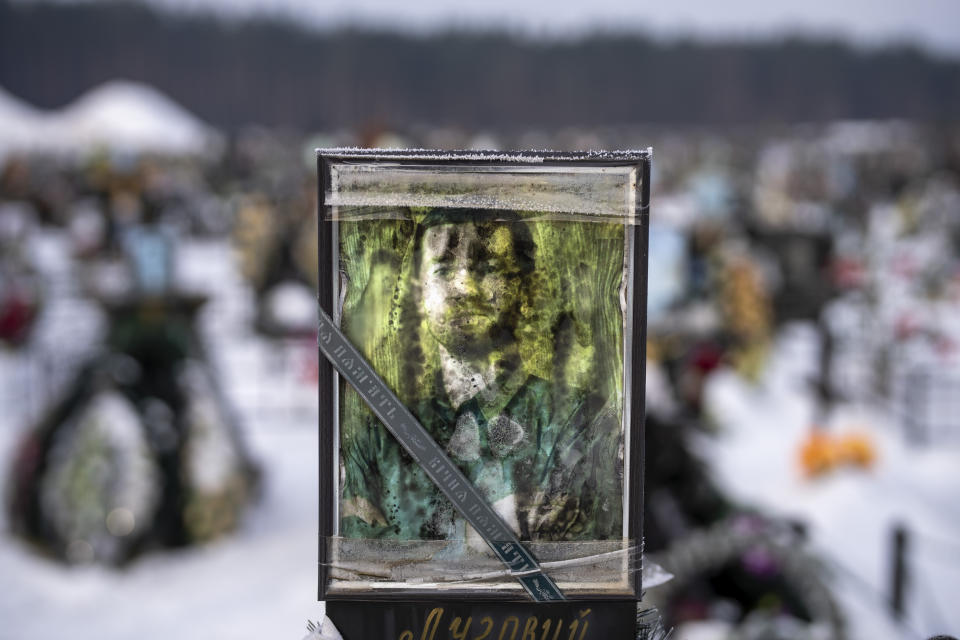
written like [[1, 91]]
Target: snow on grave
[[119, 116], [20, 124], [131, 117]]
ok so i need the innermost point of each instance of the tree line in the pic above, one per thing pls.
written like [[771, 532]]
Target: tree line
[[277, 73]]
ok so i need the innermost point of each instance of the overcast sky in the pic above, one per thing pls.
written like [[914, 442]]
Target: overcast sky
[[934, 24]]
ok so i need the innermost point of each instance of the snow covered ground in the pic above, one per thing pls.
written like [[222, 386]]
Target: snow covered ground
[[261, 581], [850, 513]]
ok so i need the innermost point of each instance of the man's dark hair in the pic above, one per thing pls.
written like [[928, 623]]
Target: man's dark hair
[[487, 221]]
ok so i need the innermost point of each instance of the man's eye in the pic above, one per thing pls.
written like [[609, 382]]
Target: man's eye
[[493, 265]]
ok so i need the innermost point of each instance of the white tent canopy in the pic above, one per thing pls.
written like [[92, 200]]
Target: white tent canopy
[[119, 116]]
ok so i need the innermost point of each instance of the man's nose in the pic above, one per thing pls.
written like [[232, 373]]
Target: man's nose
[[462, 280]]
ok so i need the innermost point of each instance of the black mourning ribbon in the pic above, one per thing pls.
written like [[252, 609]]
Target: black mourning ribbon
[[408, 431]]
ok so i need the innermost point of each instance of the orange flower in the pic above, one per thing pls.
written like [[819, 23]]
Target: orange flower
[[856, 449], [818, 453]]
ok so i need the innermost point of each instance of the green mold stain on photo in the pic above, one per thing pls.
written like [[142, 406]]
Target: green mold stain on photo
[[503, 333]]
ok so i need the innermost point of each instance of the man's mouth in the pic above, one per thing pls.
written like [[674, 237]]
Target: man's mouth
[[465, 319], [468, 318]]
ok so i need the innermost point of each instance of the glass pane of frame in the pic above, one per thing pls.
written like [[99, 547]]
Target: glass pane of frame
[[496, 295]]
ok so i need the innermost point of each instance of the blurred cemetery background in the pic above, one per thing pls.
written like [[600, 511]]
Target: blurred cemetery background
[[158, 363]]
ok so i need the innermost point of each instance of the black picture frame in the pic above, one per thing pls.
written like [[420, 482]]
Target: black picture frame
[[329, 382]]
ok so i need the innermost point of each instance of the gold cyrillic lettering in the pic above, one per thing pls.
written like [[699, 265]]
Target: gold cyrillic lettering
[[435, 615], [503, 627], [487, 620], [530, 629], [455, 631], [586, 623]]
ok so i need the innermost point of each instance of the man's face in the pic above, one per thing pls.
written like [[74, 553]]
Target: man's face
[[471, 283]]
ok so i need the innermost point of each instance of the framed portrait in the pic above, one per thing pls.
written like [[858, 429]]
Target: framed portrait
[[502, 298]]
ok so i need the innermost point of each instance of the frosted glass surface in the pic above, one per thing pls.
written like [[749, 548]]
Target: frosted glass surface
[[493, 296], [600, 192]]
